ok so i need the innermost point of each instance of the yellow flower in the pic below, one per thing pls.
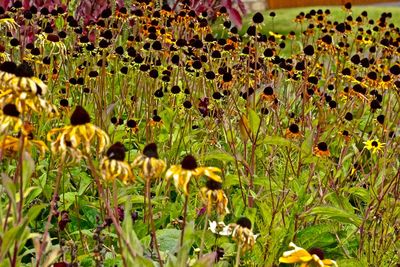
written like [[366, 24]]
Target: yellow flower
[[21, 78], [148, 161], [52, 40], [9, 118], [188, 168], [374, 145], [80, 133], [9, 24], [213, 195], [242, 233], [113, 165], [19, 86], [307, 259]]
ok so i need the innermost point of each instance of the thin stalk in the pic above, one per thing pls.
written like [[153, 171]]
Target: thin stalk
[[203, 235], [151, 220], [184, 216], [237, 261]]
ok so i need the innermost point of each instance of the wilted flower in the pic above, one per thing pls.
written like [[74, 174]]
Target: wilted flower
[[9, 118], [307, 259], [242, 233], [214, 196], [188, 168], [150, 164], [80, 132], [11, 144], [113, 165]]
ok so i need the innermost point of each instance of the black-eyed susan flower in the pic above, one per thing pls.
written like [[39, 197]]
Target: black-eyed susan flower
[[24, 80], [149, 162], [188, 168], [113, 165], [18, 86], [321, 150], [9, 24], [242, 234], [374, 145], [314, 257], [293, 131], [214, 196], [77, 136], [10, 119], [53, 41]]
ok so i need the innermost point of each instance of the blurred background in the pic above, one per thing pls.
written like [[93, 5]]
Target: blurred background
[[260, 5]]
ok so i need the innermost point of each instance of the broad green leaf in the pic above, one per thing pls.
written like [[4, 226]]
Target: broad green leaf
[[34, 211], [254, 122], [168, 239], [316, 236], [225, 157], [336, 214], [28, 167], [188, 237], [276, 140]]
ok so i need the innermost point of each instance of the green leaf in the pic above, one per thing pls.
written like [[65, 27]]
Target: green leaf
[[337, 214], [28, 167], [317, 236], [276, 140], [222, 156], [254, 121], [168, 239], [188, 238], [34, 211]]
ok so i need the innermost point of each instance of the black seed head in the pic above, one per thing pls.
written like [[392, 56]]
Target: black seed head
[[24, 70], [79, 116], [395, 70], [294, 128], [213, 185], [189, 163], [322, 146], [53, 38], [374, 143], [375, 104], [116, 151], [150, 151], [381, 119], [309, 50], [64, 102], [317, 251], [268, 90], [11, 110], [8, 66], [348, 116], [327, 39], [131, 123], [258, 18], [187, 104], [244, 222]]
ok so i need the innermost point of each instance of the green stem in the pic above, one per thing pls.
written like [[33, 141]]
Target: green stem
[[237, 262], [203, 235]]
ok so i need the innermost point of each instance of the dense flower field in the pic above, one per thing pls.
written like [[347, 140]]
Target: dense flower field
[[132, 134]]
